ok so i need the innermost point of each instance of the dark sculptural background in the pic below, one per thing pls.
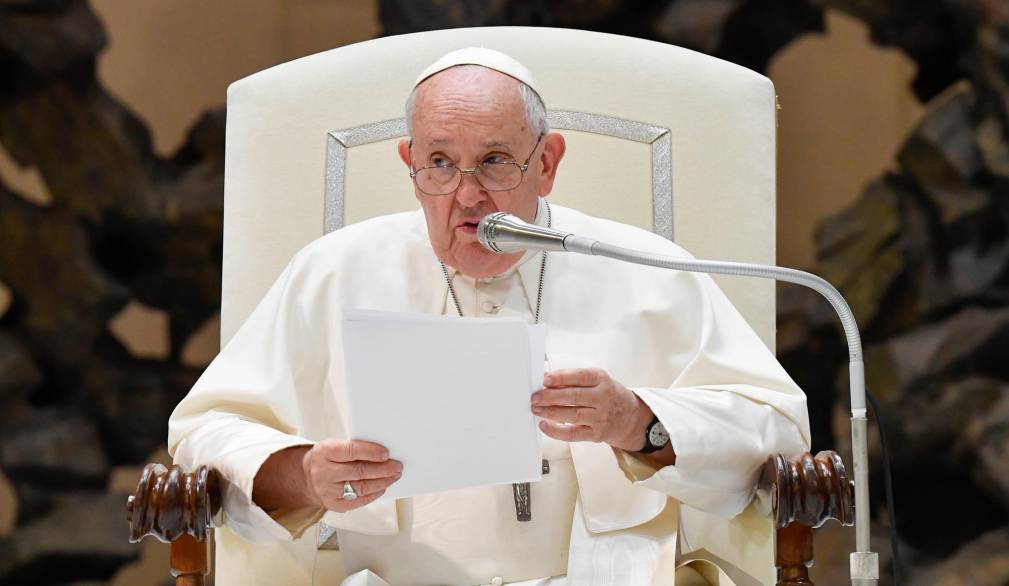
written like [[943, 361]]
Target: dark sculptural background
[[922, 257]]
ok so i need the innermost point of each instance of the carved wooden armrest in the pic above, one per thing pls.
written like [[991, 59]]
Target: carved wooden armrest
[[800, 494], [180, 509]]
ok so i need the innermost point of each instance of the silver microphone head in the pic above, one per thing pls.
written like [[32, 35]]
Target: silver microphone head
[[502, 232]]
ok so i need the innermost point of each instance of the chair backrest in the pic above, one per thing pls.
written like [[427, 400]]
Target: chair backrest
[[658, 136]]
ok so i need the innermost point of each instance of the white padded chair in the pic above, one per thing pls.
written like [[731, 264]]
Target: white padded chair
[[658, 136]]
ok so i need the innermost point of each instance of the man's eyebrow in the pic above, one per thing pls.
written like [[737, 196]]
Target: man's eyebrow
[[440, 141], [496, 143]]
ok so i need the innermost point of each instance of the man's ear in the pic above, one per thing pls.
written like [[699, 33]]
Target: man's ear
[[404, 151], [553, 151]]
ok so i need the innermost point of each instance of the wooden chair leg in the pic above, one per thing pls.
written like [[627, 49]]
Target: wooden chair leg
[[177, 508], [794, 555], [803, 493], [189, 560]]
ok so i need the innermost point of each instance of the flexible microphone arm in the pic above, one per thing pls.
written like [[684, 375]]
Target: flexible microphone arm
[[502, 232]]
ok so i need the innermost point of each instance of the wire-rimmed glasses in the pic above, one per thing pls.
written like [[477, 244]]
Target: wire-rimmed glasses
[[491, 175]]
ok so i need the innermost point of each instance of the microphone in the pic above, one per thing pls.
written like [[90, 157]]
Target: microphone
[[502, 232]]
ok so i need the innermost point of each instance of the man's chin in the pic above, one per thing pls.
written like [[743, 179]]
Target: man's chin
[[478, 262]]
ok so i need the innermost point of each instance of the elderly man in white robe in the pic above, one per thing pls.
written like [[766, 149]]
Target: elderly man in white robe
[[656, 391]]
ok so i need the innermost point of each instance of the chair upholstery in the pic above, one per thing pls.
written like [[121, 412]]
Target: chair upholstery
[[669, 139]]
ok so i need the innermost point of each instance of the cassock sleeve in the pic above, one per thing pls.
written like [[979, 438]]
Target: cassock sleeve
[[726, 412], [246, 406]]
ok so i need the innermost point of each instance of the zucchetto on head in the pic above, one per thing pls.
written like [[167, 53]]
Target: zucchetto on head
[[489, 58]]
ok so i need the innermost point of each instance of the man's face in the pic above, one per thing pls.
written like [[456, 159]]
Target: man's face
[[465, 116]]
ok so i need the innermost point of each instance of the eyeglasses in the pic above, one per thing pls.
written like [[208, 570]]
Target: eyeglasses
[[491, 175]]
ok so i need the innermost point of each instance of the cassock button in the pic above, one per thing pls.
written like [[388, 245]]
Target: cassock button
[[496, 581], [490, 307]]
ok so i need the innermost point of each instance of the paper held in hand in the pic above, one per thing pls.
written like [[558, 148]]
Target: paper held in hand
[[448, 396]]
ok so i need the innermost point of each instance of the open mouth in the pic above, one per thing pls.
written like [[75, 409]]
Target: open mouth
[[469, 226]]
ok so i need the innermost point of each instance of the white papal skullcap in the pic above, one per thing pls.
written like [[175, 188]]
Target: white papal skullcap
[[489, 58]]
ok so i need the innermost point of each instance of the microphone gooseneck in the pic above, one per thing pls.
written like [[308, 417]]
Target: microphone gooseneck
[[502, 232]]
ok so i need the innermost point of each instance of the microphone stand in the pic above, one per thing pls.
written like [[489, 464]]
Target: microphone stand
[[502, 233]]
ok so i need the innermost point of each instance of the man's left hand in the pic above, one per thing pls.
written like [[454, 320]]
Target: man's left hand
[[585, 404]]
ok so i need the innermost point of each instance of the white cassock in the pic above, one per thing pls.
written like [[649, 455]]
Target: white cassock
[[601, 516]]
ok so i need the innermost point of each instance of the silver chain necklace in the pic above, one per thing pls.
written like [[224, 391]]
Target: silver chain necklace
[[520, 491]]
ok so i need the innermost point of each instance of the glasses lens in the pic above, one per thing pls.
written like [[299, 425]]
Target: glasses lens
[[438, 180], [500, 176]]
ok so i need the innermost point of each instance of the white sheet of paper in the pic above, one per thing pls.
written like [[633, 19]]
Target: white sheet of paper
[[448, 396]]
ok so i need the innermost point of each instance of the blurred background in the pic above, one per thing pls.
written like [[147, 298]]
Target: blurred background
[[893, 184]]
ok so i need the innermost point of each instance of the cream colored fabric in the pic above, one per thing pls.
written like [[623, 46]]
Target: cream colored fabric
[[701, 573], [673, 337], [484, 57], [721, 118], [722, 123], [624, 558], [470, 536], [692, 573]]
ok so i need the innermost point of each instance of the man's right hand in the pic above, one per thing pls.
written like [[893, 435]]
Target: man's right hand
[[366, 465], [304, 476]]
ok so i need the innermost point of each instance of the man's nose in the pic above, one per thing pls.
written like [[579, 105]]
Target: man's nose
[[470, 191]]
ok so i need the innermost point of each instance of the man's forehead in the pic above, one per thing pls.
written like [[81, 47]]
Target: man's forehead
[[475, 87], [449, 141]]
